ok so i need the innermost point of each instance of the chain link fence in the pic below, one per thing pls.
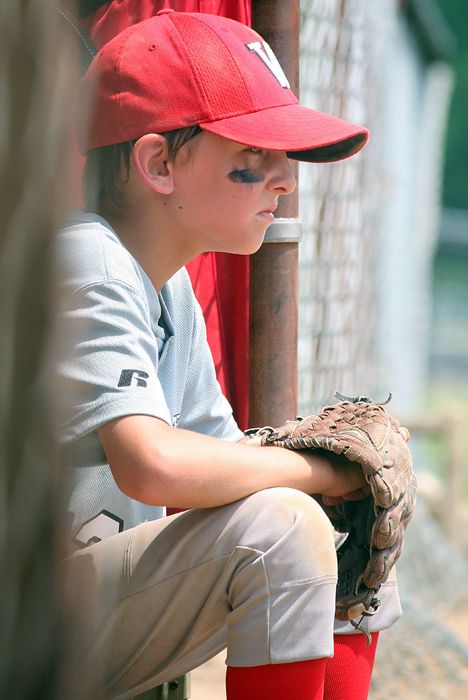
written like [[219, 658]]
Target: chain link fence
[[352, 252], [340, 207]]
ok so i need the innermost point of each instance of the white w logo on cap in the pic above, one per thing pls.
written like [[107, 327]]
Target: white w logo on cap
[[264, 51]]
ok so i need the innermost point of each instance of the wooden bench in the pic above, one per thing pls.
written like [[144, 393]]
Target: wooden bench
[[177, 689]]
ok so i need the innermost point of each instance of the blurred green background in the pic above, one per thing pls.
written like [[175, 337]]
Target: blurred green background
[[449, 349], [455, 192]]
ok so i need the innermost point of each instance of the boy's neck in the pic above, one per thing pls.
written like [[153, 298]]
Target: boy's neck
[[149, 236]]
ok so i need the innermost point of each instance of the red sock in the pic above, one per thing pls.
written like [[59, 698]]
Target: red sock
[[348, 674], [301, 680]]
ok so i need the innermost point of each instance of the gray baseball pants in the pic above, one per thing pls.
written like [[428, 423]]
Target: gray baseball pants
[[257, 576]]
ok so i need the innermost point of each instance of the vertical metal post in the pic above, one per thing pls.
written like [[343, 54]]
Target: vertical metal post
[[273, 269]]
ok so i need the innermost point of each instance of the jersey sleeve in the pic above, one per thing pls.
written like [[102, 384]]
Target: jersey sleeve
[[110, 365]]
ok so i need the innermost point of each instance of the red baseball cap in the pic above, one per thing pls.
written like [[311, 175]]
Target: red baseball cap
[[179, 69]]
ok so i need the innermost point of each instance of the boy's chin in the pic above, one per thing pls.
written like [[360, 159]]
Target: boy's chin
[[248, 244], [257, 247], [248, 249], [253, 246]]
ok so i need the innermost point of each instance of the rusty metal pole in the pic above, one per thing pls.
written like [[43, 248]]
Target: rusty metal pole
[[273, 269]]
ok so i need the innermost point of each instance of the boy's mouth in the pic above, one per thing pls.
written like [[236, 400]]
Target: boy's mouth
[[266, 214], [269, 210]]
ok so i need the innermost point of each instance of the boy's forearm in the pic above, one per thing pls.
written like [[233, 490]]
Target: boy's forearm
[[215, 472], [183, 469]]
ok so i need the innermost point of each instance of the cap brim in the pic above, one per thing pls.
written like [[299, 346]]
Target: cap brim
[[305, 134]]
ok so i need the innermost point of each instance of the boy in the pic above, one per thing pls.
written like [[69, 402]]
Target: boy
[[192, 123]]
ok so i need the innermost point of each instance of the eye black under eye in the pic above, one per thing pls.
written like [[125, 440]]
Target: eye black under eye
[[246, 176]]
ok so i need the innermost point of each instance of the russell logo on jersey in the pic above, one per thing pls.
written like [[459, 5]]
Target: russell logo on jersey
[[129, 375]]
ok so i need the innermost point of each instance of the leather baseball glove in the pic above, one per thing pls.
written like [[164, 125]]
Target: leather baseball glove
[[363, 432]]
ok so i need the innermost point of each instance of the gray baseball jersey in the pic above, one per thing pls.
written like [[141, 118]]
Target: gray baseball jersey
[[124, 349]]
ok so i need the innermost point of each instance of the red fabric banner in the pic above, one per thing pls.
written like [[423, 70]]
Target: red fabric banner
[[115, 16]]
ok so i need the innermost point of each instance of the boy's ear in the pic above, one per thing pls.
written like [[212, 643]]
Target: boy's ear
[[150, 160]]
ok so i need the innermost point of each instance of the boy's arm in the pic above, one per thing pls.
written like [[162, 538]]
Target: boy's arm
[[156, 464]]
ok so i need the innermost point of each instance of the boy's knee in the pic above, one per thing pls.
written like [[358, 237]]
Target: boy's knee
[[282, 508], [285, 579], [289, 526]]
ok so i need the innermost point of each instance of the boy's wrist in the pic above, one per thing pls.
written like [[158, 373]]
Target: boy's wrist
[[248, 440]]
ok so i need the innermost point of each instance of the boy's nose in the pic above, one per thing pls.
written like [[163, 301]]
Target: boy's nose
[[282, 180]]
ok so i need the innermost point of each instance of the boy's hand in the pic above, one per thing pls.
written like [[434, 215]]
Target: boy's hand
[[343, 480], [337, 479], [347, 475]]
